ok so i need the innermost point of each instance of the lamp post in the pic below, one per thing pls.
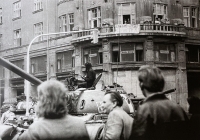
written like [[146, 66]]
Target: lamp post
[[28, 61], [28, 68]]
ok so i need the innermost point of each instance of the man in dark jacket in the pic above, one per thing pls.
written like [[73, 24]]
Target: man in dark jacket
[[89, 77], [157, 117]]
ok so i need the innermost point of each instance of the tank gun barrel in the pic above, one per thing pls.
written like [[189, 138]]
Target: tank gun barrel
[[19, 71]]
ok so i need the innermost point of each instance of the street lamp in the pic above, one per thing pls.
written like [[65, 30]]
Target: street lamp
[[28, 61]]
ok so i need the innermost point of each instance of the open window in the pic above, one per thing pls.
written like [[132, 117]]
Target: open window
[[126, 13], [94, 17]]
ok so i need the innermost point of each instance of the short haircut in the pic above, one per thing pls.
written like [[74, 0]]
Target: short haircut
[[51, 100], [194, 103], [152, 78], [88, 65], [115, 97]]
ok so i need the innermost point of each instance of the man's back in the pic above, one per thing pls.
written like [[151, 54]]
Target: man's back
[[156, 116]]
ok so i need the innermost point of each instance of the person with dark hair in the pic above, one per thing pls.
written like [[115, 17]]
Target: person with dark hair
[[157, 117], [32, 116], [194, 110], [90, 76], [54, 123], [119, 123]]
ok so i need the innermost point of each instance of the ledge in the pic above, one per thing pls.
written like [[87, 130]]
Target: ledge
[[37, 11], [16, 18], [63, 1]]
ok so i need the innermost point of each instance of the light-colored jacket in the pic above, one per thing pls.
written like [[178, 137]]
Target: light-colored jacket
[[6, 116], [66, 128], [118, 126]]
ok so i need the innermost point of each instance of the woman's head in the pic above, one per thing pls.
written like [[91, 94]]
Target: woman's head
[[151, 78], [111, 100], [51, 100]]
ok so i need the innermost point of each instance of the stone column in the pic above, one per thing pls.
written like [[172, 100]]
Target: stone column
[[8, 92], [78, 64], [52, 64], [181, 77], [148, 53], [107, 66]]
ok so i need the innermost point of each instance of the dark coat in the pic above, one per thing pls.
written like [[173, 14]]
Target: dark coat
[[66, 128], [90, 77], [195, 126], [159, 118]]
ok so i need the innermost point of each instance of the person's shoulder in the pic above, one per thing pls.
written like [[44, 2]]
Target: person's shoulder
[[116, 112], [74, 119]]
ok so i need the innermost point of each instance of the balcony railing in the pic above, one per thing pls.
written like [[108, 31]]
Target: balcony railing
[[150, 28], [141, 29], [81, 36]]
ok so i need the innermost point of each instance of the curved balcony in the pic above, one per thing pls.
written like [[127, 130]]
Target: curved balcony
[[130, 30]]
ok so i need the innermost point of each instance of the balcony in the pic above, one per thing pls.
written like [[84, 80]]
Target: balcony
[[193, 33], [81, 36], [130, 30]]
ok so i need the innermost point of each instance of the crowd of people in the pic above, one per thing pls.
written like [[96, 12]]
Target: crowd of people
[[157, 118]]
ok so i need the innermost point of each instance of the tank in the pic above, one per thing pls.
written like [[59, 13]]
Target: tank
[[86, 103], [82, 102]]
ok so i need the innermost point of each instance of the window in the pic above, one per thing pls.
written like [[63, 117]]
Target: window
[[94, 17], [38, 30], [17, 38], [125, 52], [71, 22], [164, 52], [190, 16], [38, 65], [194, 17], [18, 63], [93, 55], [126, 13], [37, 5], [17, 9], [160, 12], [186, 16], [66, 22], [63, 23], [1, 17], [32, 68], [65, 61], [192, 53]]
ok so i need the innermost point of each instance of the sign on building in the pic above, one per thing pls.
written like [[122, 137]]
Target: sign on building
[[127, 28]]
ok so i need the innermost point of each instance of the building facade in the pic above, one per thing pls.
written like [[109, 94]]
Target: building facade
[[164, 33]]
